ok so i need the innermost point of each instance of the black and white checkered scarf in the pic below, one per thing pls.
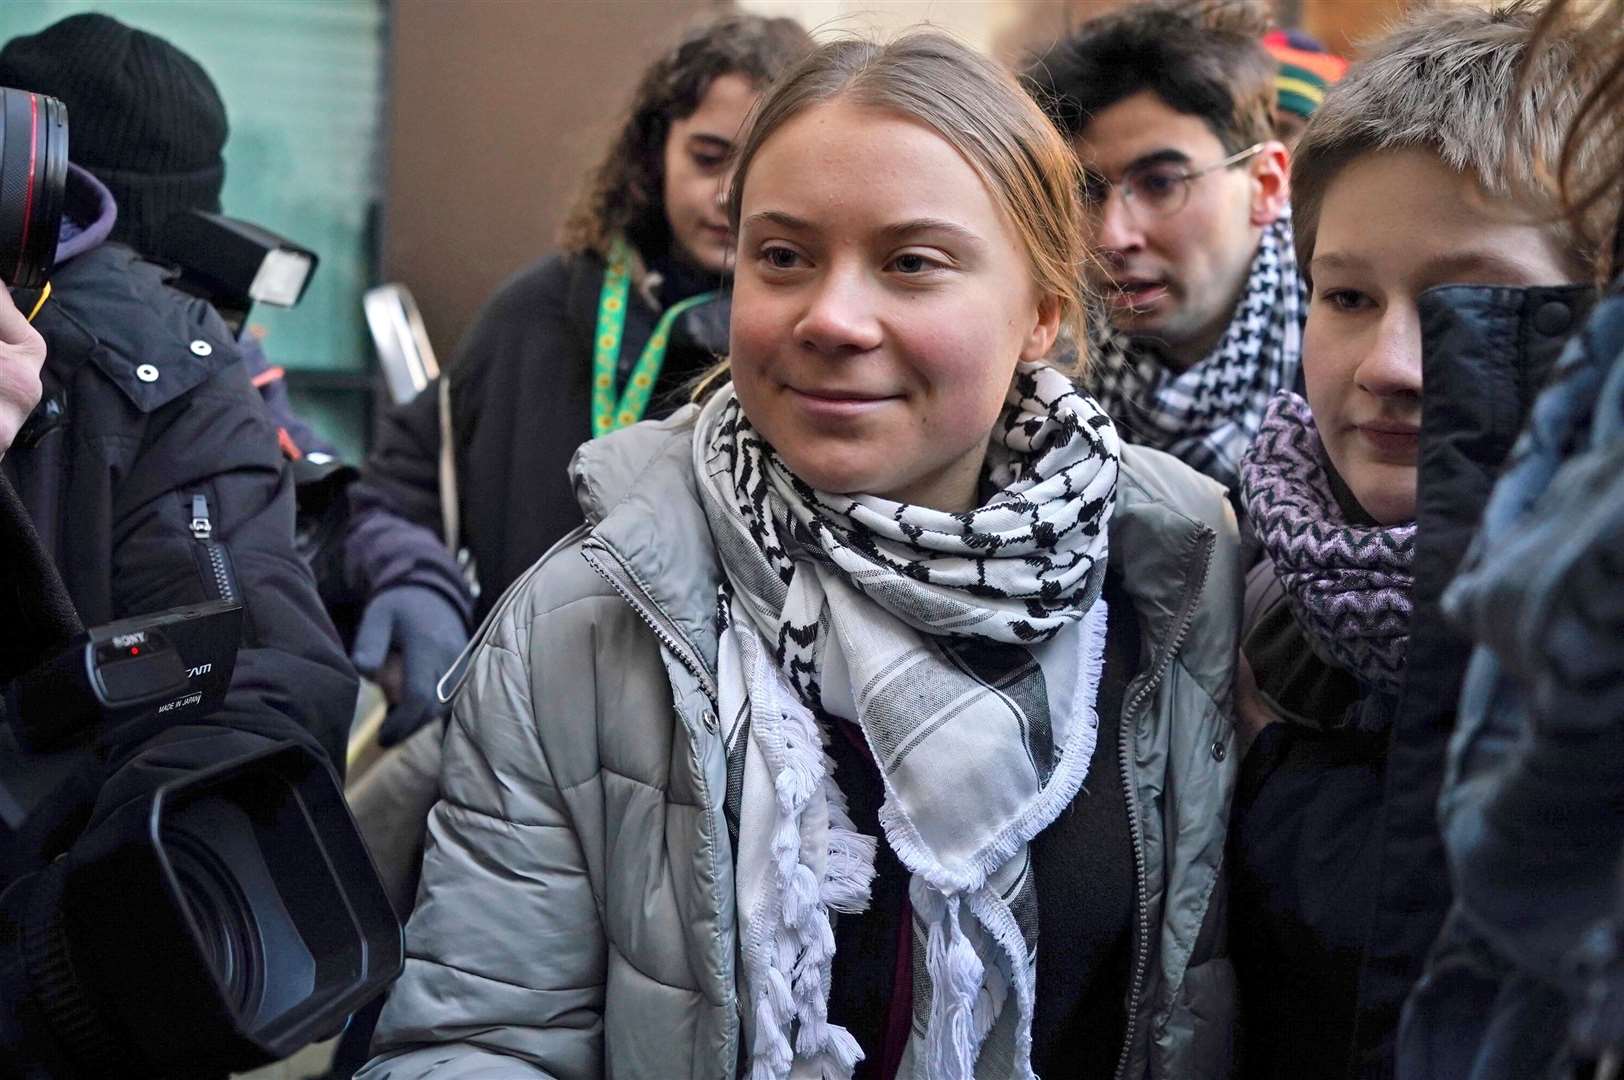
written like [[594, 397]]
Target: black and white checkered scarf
[[1207, 415], [967, 647]]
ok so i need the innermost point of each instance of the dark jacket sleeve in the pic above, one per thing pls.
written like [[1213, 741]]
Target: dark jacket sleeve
[[274, 392], [395, 534], [521, 403], [161, 425], [292, 680]]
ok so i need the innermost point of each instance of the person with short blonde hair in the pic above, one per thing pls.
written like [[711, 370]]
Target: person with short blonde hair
[[1452, 84], [880, 717], [1442, 285]]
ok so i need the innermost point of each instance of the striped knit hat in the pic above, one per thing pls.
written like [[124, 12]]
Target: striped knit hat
[[1306, 69]]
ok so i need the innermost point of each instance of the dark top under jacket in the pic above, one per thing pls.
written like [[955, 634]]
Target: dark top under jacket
[[1303, 831], [1085, 887]]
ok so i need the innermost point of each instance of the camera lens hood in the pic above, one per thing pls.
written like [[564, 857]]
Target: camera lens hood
[[224, 923]]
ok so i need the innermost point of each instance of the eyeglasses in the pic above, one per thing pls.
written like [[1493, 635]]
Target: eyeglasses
[[1161, 189]]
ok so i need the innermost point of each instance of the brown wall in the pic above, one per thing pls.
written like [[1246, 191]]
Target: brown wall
[[496, 109], [1343, 24], [1339, 24]]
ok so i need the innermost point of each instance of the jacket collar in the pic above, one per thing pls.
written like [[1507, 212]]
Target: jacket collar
[[638, 491], [88, 219], [134, 320]]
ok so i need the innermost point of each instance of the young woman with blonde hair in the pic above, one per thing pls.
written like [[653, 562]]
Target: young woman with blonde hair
[[878, 723]]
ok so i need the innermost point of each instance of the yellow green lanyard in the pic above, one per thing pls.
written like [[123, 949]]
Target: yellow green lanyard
[[607, 413]]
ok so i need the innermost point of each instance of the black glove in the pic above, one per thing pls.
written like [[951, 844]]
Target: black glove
[[428, 632]]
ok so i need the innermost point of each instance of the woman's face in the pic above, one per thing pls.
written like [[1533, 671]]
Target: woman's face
[[697, 154], [880, 303]]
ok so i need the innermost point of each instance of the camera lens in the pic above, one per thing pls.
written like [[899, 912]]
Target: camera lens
[[33, 184], [220, 925], [225, 923]]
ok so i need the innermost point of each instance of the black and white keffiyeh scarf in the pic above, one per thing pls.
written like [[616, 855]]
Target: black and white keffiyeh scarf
[[967, 647], [1207, 415]]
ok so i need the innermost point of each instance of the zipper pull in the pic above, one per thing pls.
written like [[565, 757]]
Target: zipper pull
[[201, 527]]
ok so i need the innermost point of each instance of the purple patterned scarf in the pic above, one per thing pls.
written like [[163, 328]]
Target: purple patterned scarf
[[1349, 586]]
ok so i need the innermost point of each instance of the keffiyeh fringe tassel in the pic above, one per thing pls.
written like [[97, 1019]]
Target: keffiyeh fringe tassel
[[794, 988]]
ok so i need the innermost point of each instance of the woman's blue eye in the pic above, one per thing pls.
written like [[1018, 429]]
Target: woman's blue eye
[[780, 258], [912, 264]]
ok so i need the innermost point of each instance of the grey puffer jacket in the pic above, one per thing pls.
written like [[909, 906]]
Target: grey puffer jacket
[[576, 914]]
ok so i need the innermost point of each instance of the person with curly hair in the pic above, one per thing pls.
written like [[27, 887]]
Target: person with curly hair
[[591, 338]]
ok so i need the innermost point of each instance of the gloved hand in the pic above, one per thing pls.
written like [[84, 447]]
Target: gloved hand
[[427, 632]]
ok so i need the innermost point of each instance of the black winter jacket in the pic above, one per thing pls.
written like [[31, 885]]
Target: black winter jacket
[[1339, 884], [1522, 982], [520, 403], [148, 426]]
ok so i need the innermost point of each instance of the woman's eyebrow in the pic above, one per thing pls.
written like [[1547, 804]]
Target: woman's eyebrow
[[893, 233], [779, 218], [1336, 260], [904, 229], [709, 141]]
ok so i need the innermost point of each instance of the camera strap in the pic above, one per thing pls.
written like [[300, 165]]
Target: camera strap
[[609, 412]]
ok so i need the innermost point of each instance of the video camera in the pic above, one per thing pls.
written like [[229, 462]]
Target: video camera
[[224, 922], [207, 924]]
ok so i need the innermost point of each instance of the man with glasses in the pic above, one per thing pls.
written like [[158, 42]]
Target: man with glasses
[[1199, 303]]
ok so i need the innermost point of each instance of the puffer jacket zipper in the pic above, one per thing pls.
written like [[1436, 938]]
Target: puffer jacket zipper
[[613, 569], [217, 567], [1141, 944]]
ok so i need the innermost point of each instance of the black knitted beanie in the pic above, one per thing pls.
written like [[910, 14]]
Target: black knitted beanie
[[143, 116]]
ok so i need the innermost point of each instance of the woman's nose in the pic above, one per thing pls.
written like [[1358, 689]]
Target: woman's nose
[[840, 317]]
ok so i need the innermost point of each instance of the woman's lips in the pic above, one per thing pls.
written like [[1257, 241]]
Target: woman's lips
[[1398, 442], [837, 404]]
